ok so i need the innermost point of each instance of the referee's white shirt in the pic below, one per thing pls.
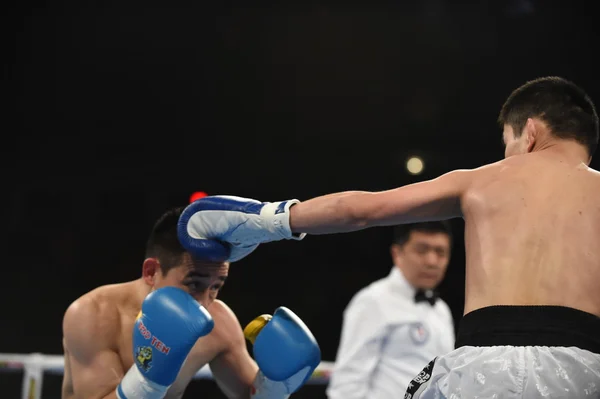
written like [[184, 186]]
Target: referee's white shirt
[[387, 339]]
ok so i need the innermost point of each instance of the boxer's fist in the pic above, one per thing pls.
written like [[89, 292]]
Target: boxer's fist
[[225, 228], [284, 349], [168, 326]]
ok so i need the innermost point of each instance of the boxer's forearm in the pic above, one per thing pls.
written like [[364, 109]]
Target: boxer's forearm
[[348, 211], [332, 213]]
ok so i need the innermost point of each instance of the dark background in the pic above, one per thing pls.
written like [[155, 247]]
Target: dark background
[[115, 112]]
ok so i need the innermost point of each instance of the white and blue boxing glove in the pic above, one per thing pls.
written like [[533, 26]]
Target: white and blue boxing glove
[[168, 326], [286, 353], [223, 228]]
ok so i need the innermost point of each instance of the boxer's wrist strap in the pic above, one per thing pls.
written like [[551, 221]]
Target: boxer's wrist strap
[[277, 216], [135, 386], [264, 388]]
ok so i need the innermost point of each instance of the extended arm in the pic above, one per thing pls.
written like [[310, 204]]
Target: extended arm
[[226, 228], [355, 210]]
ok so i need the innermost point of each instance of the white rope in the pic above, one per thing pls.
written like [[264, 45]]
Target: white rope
[[36, 364]]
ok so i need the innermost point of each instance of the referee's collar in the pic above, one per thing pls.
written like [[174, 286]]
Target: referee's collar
[[401, 283]]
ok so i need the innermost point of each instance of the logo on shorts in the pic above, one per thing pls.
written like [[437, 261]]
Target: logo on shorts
[[420, 382], [418, 333], [143, 357]]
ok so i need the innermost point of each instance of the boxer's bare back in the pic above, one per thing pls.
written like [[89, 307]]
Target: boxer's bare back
[[98, 345], [532, 233]]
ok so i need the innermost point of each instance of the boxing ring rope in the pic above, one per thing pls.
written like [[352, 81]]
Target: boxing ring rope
[[34, 366]]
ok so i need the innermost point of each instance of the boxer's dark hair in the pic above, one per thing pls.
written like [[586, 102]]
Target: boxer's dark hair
[[401, 232], [163, 243], [563, 106]]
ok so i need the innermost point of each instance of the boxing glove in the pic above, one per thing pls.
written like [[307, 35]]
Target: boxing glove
[[168, 326], [225, 228], [286, 352]]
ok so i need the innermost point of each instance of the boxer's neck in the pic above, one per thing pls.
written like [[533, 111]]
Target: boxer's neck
[[141, 290]]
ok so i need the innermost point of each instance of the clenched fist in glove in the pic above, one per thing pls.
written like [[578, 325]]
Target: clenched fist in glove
[[226, 228]]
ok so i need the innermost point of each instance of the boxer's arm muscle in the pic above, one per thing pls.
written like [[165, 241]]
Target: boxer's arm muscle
[[88, 335], [234, 369], [356, 210]]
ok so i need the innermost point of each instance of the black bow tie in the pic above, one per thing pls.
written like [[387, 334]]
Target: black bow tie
[[426, 296]]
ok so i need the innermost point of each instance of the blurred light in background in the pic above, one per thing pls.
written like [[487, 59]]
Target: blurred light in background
[[414, 165], [197, 195]]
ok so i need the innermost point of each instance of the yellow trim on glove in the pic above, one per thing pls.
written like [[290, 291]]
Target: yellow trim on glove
[[255, 326]]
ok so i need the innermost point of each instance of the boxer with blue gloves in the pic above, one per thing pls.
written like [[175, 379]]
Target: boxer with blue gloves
[[286, 352], [168, 326], [179, 326]]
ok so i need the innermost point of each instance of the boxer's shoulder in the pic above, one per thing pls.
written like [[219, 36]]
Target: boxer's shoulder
[[96, 314], [106, 299], [485, 173], [227, 326], [225, 319], [89, 328], [479, 182]]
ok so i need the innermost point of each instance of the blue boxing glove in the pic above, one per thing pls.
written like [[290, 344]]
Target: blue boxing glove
[[286, 353], [223, 228], [168, 326]]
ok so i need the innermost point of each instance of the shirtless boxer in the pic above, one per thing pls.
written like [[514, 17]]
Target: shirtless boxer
[[531, 325], [130, 340]]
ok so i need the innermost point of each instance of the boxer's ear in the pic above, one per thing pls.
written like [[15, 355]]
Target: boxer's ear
[[150, 268], [531, 132]]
